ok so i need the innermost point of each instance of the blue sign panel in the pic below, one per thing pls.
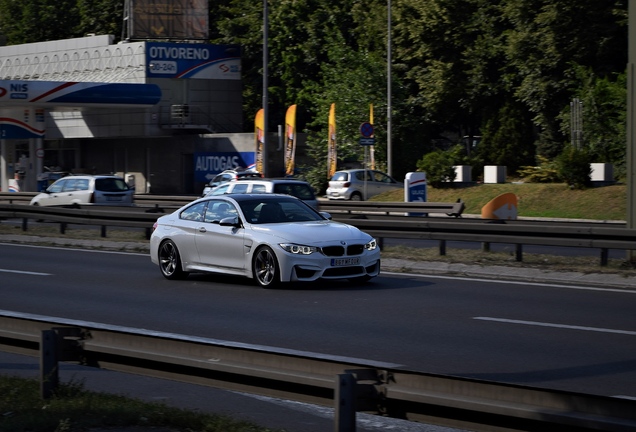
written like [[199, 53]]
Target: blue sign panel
[[415, 189], [207, 165], [198, 61]]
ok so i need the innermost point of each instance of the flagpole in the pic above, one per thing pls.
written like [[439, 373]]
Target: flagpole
[[266, 172], [389, 159]]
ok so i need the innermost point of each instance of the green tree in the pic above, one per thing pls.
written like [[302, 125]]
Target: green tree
[[604, 116], [546, 39], [508, 138], [38, 20]]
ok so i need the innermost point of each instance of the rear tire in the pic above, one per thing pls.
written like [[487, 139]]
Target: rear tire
[[265, 268], [170, 261]]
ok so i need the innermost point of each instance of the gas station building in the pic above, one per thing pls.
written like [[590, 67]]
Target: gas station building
[[165, 116]]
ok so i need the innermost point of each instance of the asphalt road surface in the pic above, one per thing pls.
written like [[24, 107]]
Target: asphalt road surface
[[572, 338]]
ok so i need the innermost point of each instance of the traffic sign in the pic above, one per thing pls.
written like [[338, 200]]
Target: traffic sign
[[366, 130], [367, 141]]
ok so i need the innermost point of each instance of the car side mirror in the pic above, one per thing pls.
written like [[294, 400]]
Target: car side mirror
[[326, 215], [230, 221]]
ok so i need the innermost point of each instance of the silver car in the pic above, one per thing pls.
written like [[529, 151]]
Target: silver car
[[270, 238], [360, 184]]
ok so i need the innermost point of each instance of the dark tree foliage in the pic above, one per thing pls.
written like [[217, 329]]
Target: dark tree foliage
[[502, 69]]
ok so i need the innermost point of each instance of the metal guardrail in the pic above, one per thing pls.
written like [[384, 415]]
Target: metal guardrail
[[380, 219], [349, 385]]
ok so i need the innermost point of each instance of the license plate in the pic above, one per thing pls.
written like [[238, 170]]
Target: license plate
[[338, 262], [113, 198]]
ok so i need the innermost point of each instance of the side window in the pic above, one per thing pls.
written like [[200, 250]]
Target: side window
[[220, 190], [81, 184], [70, 185], [360, 175], [258, 188], [382, 177], [57, 186], [303, 192], [194, 212], [218, 210], [240, 188]]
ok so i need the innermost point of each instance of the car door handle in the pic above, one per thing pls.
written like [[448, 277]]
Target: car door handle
[[202, 229]]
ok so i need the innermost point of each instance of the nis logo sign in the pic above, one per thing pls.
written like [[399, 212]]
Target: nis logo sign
[[16, 91]]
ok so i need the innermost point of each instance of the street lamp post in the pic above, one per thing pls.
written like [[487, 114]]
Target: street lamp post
[[389, 162]]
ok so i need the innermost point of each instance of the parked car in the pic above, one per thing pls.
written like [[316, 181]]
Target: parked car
[[360, 184], [298, 188], [270, 238], [107, 190], [229, 175]]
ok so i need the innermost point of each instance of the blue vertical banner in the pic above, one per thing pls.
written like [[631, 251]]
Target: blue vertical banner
[[415, 189]]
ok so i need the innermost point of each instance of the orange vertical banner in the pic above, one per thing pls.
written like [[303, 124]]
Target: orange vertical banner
[[331, 143], [290, 142], [259, 135]]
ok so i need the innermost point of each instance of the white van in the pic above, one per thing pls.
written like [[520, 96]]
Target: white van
[[106, 190]]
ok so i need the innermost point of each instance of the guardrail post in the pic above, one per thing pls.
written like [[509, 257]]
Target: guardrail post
[[485, 247], [604, 256], [49, 374], [345, 420], [62, 227], [25, 224], [518, 252], [442, 247], [58, 344], [103, 233]]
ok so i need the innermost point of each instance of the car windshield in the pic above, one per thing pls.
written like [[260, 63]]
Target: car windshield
[[265, 211]]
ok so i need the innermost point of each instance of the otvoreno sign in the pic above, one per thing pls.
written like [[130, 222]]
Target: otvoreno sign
[[207, 165], [197, 61]]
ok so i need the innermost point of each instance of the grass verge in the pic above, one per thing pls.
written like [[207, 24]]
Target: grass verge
[[535, 199], [74, 409]]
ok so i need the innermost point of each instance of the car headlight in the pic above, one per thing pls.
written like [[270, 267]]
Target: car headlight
[[371, 245], [298, 249]]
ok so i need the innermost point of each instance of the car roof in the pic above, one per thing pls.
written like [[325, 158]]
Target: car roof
[[238, 197], [90, 176], [269, 180]]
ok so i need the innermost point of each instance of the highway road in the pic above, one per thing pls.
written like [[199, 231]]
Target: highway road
[[572, 338]]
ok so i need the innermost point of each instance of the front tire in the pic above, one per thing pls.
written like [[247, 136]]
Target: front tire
[[265, 268], [356, 197], [170, 261]]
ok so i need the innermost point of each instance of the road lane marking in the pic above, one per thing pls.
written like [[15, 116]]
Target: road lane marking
[[512, 282], [25, 272], [563, 326]]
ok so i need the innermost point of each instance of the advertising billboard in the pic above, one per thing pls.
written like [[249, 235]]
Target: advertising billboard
[[168, 19]]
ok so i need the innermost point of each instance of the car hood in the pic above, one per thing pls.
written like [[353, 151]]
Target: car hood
[[314, 233]]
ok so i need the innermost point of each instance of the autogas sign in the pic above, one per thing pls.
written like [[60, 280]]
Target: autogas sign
[[207, 165]]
